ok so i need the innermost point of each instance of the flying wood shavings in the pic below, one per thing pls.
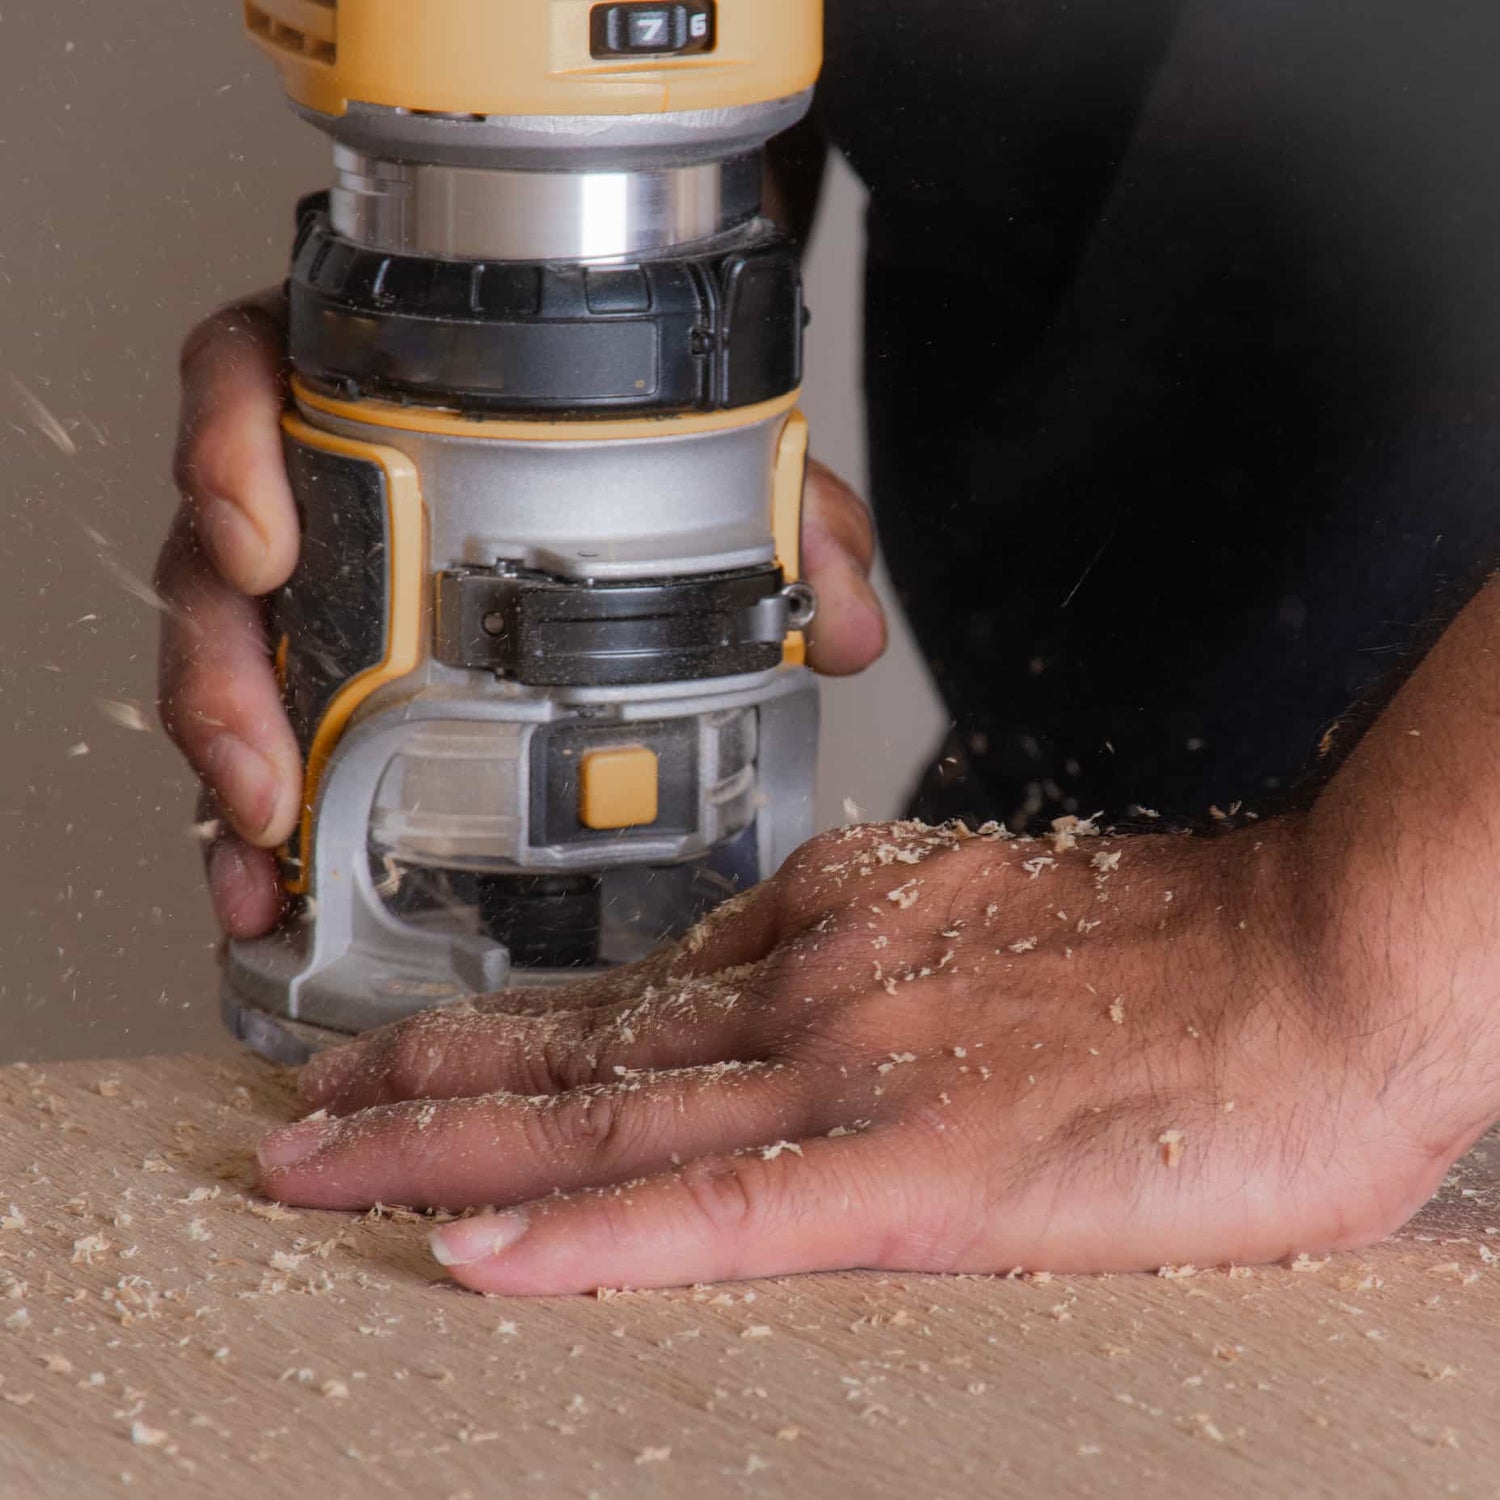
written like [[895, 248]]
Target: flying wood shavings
[[905, 896], [124, 714], [137, 588], [40, 417], [756, 1331], [653, 1455], [147, 1437], [1117, 1010], [1171, 1143], [1023, 945]]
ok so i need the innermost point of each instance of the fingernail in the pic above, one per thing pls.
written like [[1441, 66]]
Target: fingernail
[[470, 1240], [285, 1148], [245, 781], [231, 536]]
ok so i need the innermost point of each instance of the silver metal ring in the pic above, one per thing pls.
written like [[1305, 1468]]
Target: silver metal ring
[[561, 143], [468, 213]]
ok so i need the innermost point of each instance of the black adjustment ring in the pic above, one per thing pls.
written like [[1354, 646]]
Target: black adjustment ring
[[704, 332], [551, 632]]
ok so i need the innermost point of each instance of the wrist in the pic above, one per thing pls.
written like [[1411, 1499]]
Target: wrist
[[1395, 928]]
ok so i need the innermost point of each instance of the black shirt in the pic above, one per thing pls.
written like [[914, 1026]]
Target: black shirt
[[1182, 350]]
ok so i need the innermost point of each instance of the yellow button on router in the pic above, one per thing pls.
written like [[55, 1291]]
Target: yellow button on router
[[618, 788]]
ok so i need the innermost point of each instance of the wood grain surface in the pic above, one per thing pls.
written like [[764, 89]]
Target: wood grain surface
[[165, 1332]]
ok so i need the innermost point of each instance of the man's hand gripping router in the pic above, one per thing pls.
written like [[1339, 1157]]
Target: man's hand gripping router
[[235, 538], [912, 1049]]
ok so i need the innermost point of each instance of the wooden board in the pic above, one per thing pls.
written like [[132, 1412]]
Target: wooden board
[[164, 1332]]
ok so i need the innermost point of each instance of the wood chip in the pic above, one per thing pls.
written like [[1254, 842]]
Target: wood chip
[[1171, 1143]]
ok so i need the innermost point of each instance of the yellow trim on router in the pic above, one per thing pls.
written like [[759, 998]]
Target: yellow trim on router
[[525, 57], [406, 529], [442, 422], [786, 516]]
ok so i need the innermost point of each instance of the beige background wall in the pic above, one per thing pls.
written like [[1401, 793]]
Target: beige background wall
[[149, 172]]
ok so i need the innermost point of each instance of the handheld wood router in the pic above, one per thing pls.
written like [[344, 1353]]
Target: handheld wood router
[[543, 648]]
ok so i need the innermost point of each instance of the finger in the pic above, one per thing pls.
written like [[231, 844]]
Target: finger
[[822, 1205], [455, 1054], [245, 888], [219, 699], [838, 551], [741, 931], [229, 463], [507, 1149]]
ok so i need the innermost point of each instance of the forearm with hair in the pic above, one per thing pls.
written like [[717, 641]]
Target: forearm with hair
[[1402, 858]]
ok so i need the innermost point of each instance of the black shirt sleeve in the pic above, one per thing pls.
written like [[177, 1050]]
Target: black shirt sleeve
[[1182, 354]]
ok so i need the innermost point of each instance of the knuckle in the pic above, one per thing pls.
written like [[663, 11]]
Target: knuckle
[[856, 528], [554, 1064], [207, 460], [728, 1194], [199, 340], [845, 517], [184, 462], [415, 1054], [811, 860], [175, 561], [854, 1032], [592, 1124], [248, 319]]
